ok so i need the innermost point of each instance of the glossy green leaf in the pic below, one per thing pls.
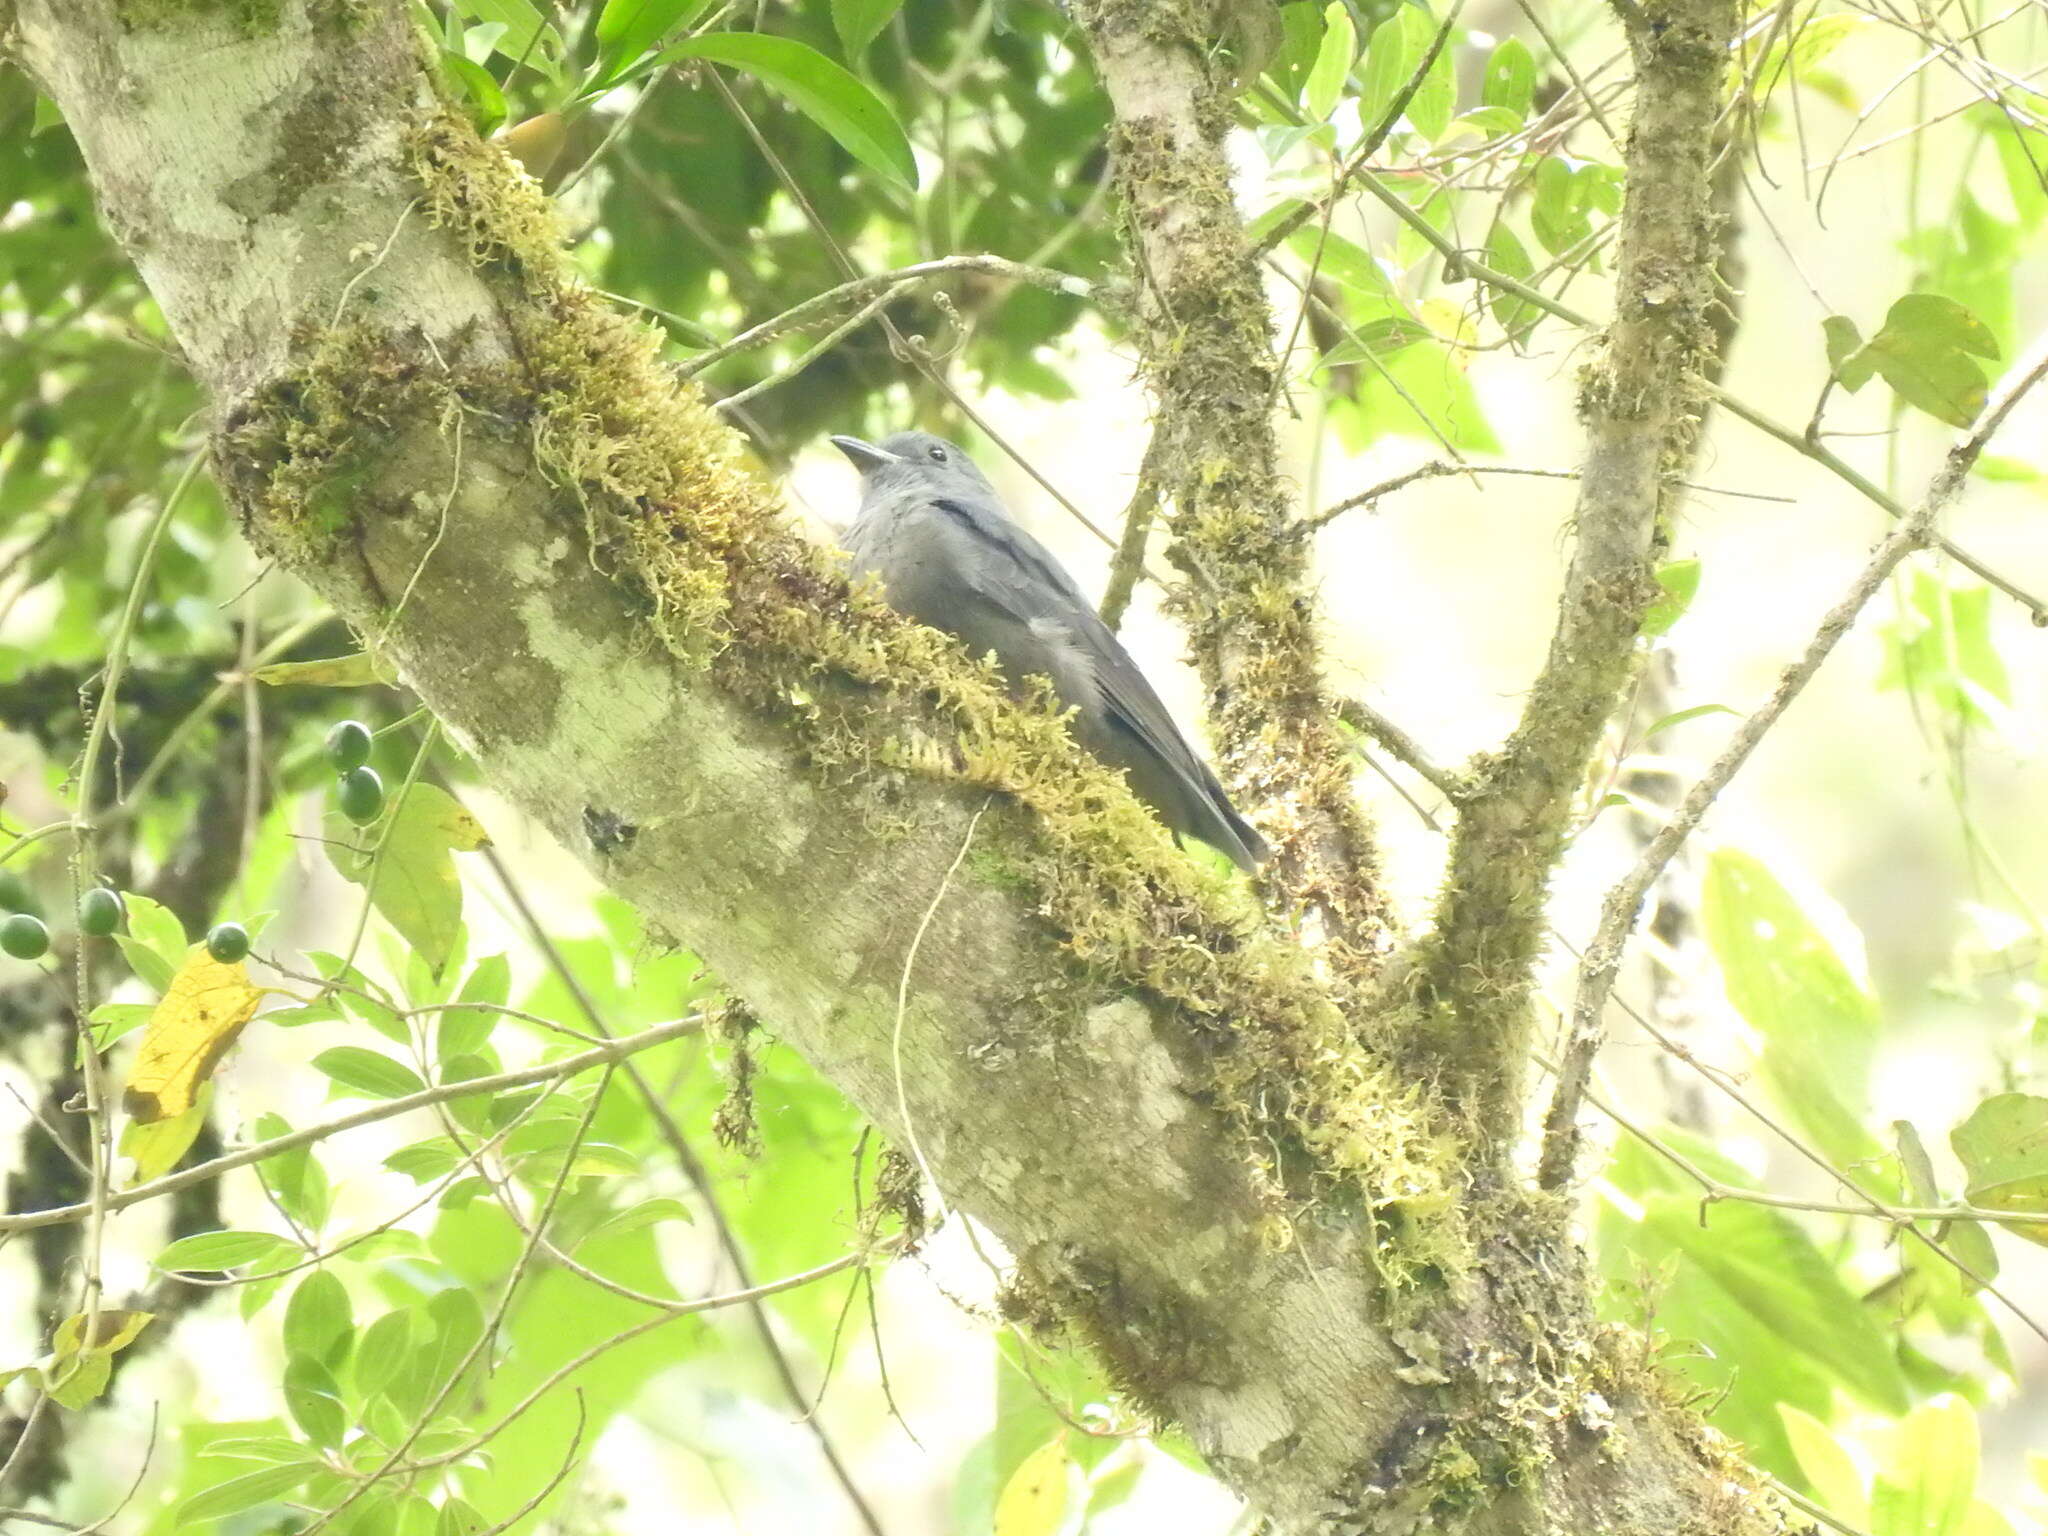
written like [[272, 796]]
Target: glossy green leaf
[[486, 99], [368, 1072], [314, 1402], [245, 1492], [1332, 65], [1510, 78], [627, 29], [528, 36], [386, 1349], [203, 1252], [833, 99], [318, 1322]]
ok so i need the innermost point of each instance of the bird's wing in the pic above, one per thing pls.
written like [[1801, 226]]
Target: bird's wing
[[1014, 573]]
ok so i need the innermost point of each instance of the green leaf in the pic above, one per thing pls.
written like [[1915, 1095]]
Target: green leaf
[[860, 22], [158, 1146], [645, 1214], [318, 1323], [78, 1379], [1680, 580], [460, 1519], [462, 1032], [295, 1177], [368, 1072], [1434, 101], [1680, 716], [412, 882], [528, 35], [821, 90], [314, 1402], [385, 1350], [1925, 1486], [425, 1161], [1939, 647], [213, 1251], [272, 1448], [1844, 341], [1820, 1027], [482, 89], [2003, 1147], [1332, 67], [1766, 1264], [244, 1492], [1829, 1469], [1510, 79], [1926, 351], [156, 929], [626, 29], [1391, 54], [1506, 254], [1301, 27]]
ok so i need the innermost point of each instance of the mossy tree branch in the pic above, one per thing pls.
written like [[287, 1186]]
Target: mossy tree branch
[[1469, 978], [1205, 332], [1158, 1107]]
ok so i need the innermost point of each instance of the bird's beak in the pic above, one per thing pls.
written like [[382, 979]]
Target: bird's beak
[[865, 455]]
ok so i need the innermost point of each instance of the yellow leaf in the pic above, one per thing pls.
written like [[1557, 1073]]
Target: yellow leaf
[[1034, 1500], [353, 671], [195, 1022]]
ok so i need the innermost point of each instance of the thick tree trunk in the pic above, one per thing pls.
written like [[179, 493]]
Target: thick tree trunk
[[1159, 1108]]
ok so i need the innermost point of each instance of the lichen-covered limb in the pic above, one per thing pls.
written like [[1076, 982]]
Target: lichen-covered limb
[[1204, 332], [1468, 985], [1157, 1107]]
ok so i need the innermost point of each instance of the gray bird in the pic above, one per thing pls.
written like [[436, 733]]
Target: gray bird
[[934, 531]]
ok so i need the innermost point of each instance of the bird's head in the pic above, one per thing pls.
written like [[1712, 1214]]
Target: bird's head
[[917, 460]]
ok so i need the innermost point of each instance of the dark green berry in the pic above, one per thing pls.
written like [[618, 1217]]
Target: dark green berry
[[348, 745], [24, 937], [99, 912], [362, 796], [227, 942]]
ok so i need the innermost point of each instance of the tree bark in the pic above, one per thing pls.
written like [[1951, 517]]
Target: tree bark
[[1099, 1052]]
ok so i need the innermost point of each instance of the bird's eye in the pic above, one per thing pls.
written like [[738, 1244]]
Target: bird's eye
[[938, 455]]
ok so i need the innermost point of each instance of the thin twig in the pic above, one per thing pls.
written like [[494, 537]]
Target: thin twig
[[1618, 913], [860, 289], [1366, 720], [1437, 468], [241, 1157], [824, 344]]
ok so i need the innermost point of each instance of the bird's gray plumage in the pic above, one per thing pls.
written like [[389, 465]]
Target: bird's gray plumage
[[948, 554]]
